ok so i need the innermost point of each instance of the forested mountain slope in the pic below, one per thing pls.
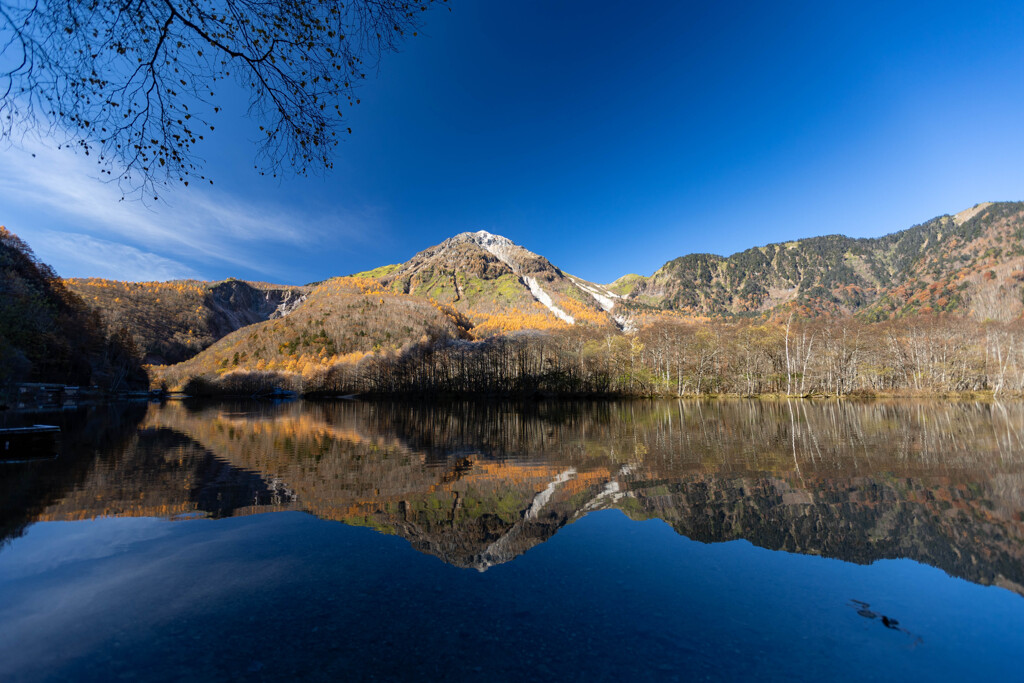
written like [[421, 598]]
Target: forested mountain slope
[[48, 334], [971, 264], [340, 320], [172, 321]]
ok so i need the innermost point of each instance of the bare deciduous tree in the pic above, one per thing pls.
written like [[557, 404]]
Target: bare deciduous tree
[[136, 83]]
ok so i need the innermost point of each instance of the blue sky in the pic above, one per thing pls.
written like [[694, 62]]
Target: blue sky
[[609, 137]]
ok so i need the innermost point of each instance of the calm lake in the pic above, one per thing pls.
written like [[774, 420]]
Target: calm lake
[[575, 541]]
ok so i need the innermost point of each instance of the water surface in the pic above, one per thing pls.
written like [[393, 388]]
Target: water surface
[[581, 541]]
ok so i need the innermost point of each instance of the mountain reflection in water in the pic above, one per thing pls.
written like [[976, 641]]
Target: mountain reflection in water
[[479, 484]]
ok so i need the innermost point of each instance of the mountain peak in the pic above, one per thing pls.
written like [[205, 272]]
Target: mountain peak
[[484, 236], [490, 276], [502, 248]]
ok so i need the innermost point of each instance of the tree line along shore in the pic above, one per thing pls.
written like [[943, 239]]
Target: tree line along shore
[[924, 355]]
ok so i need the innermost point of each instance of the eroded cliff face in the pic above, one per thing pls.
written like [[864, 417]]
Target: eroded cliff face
[[478, 486], [234, 304]]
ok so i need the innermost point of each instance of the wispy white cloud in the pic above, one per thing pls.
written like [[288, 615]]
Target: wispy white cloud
[[188, 230], [76, 255]]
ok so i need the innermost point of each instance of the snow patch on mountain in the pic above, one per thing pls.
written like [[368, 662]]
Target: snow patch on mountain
[[502, 247], [545, 298], [610, 493], [604, 298], [504, 548]]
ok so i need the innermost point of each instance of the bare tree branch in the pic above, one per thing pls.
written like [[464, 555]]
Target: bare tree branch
[[135, 82]]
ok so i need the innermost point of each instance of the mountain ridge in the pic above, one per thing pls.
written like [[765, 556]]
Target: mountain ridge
[[878, 277], [475, 286], [174, 320], [49, 334], [970, 263]]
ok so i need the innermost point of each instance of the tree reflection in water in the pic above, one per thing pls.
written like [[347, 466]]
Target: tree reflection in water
[[480, 484]]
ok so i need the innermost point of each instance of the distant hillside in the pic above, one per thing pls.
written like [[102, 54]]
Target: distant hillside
[[971, 264], [172, 321], [48, 334], [341, 319]]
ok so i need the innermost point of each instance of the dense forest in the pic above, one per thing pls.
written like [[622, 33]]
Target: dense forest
[[670, 357]]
